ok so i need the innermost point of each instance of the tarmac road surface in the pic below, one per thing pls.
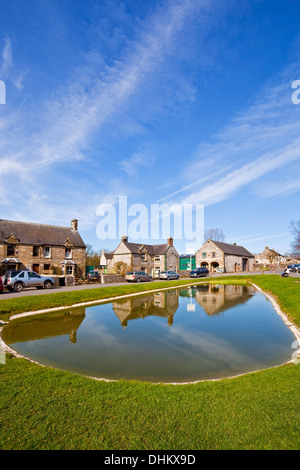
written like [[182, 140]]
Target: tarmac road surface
[[55, 290]]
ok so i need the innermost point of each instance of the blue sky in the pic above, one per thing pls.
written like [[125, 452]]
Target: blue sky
[[185, 102]]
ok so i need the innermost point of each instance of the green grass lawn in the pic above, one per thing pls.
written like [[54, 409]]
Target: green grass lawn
[[42, 408]]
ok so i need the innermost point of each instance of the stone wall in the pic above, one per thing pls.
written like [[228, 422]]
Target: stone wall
[[112, 278], [184, 273]]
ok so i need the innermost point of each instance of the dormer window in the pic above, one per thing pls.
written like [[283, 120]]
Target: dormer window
[[68, 253], [143, 257]]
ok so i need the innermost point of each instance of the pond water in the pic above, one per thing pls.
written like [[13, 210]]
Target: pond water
[[189, 334]]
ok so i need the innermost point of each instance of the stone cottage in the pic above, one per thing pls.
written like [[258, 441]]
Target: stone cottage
[[269, 257], [45, 249], [153, 259], [105, 259], [228, 258]]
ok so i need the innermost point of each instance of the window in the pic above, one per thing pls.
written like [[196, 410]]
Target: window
[[68, 252], [69, 270], [11, 250], [157, 258], [46, 267], [203, 255], [143, 256], [33, 275], [36, 250], [213, 255], [47, 252]]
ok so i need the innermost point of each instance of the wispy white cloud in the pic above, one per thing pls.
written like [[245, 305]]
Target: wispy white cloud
[[7, 59], [261, 140], [137, 161], [258, 237], [62, 128]]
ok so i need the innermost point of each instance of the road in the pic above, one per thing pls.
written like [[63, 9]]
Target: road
[[55, 290]]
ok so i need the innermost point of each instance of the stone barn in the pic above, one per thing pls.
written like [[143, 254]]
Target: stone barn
[[224, 257]]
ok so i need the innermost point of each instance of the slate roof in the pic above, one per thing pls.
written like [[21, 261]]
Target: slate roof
[[233, 249], [39, 234], [152, 249]]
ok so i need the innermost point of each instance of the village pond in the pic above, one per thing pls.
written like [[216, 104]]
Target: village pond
[[180, 335]]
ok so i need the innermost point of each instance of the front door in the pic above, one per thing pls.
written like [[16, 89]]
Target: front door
[[36, 268], [245, 264]]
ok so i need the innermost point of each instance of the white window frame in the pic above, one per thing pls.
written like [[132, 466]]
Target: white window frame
[[68, 270], [47, 249], [68, 252]]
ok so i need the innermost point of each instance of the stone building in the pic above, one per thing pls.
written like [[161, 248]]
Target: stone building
[[153, 259], [105, 259], [269, 257], [45, 249], [228, 258]]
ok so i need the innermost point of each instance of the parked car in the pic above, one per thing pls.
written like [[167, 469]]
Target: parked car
[[295, 268], [1, 285], [137, 276], [29, 279], [94, 275], [168, 275], [199, 272], [9, 274]]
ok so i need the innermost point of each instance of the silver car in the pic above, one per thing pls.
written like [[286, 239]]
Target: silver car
[[137, 276], [169, 275], [29, 279]]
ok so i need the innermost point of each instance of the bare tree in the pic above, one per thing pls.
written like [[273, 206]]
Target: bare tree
[[295, 228], [215, 234]]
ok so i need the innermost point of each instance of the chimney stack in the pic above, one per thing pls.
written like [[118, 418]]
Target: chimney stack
[[74, 224], [170, 241], [124, 238]]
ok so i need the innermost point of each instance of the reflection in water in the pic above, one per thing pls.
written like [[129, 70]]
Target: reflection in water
[[180, 335], [47, 326], [217, 299], [160, 304]]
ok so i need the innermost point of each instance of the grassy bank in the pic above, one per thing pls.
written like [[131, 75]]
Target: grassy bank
[[41, 408]]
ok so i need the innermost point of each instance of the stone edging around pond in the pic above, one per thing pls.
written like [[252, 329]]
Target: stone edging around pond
[[295, 330]]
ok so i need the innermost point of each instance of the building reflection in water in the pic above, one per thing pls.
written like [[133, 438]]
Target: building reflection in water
[[215, 299], [46, 326], [160, 304]]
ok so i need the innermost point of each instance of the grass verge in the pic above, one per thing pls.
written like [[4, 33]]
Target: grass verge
[[42, 408]]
